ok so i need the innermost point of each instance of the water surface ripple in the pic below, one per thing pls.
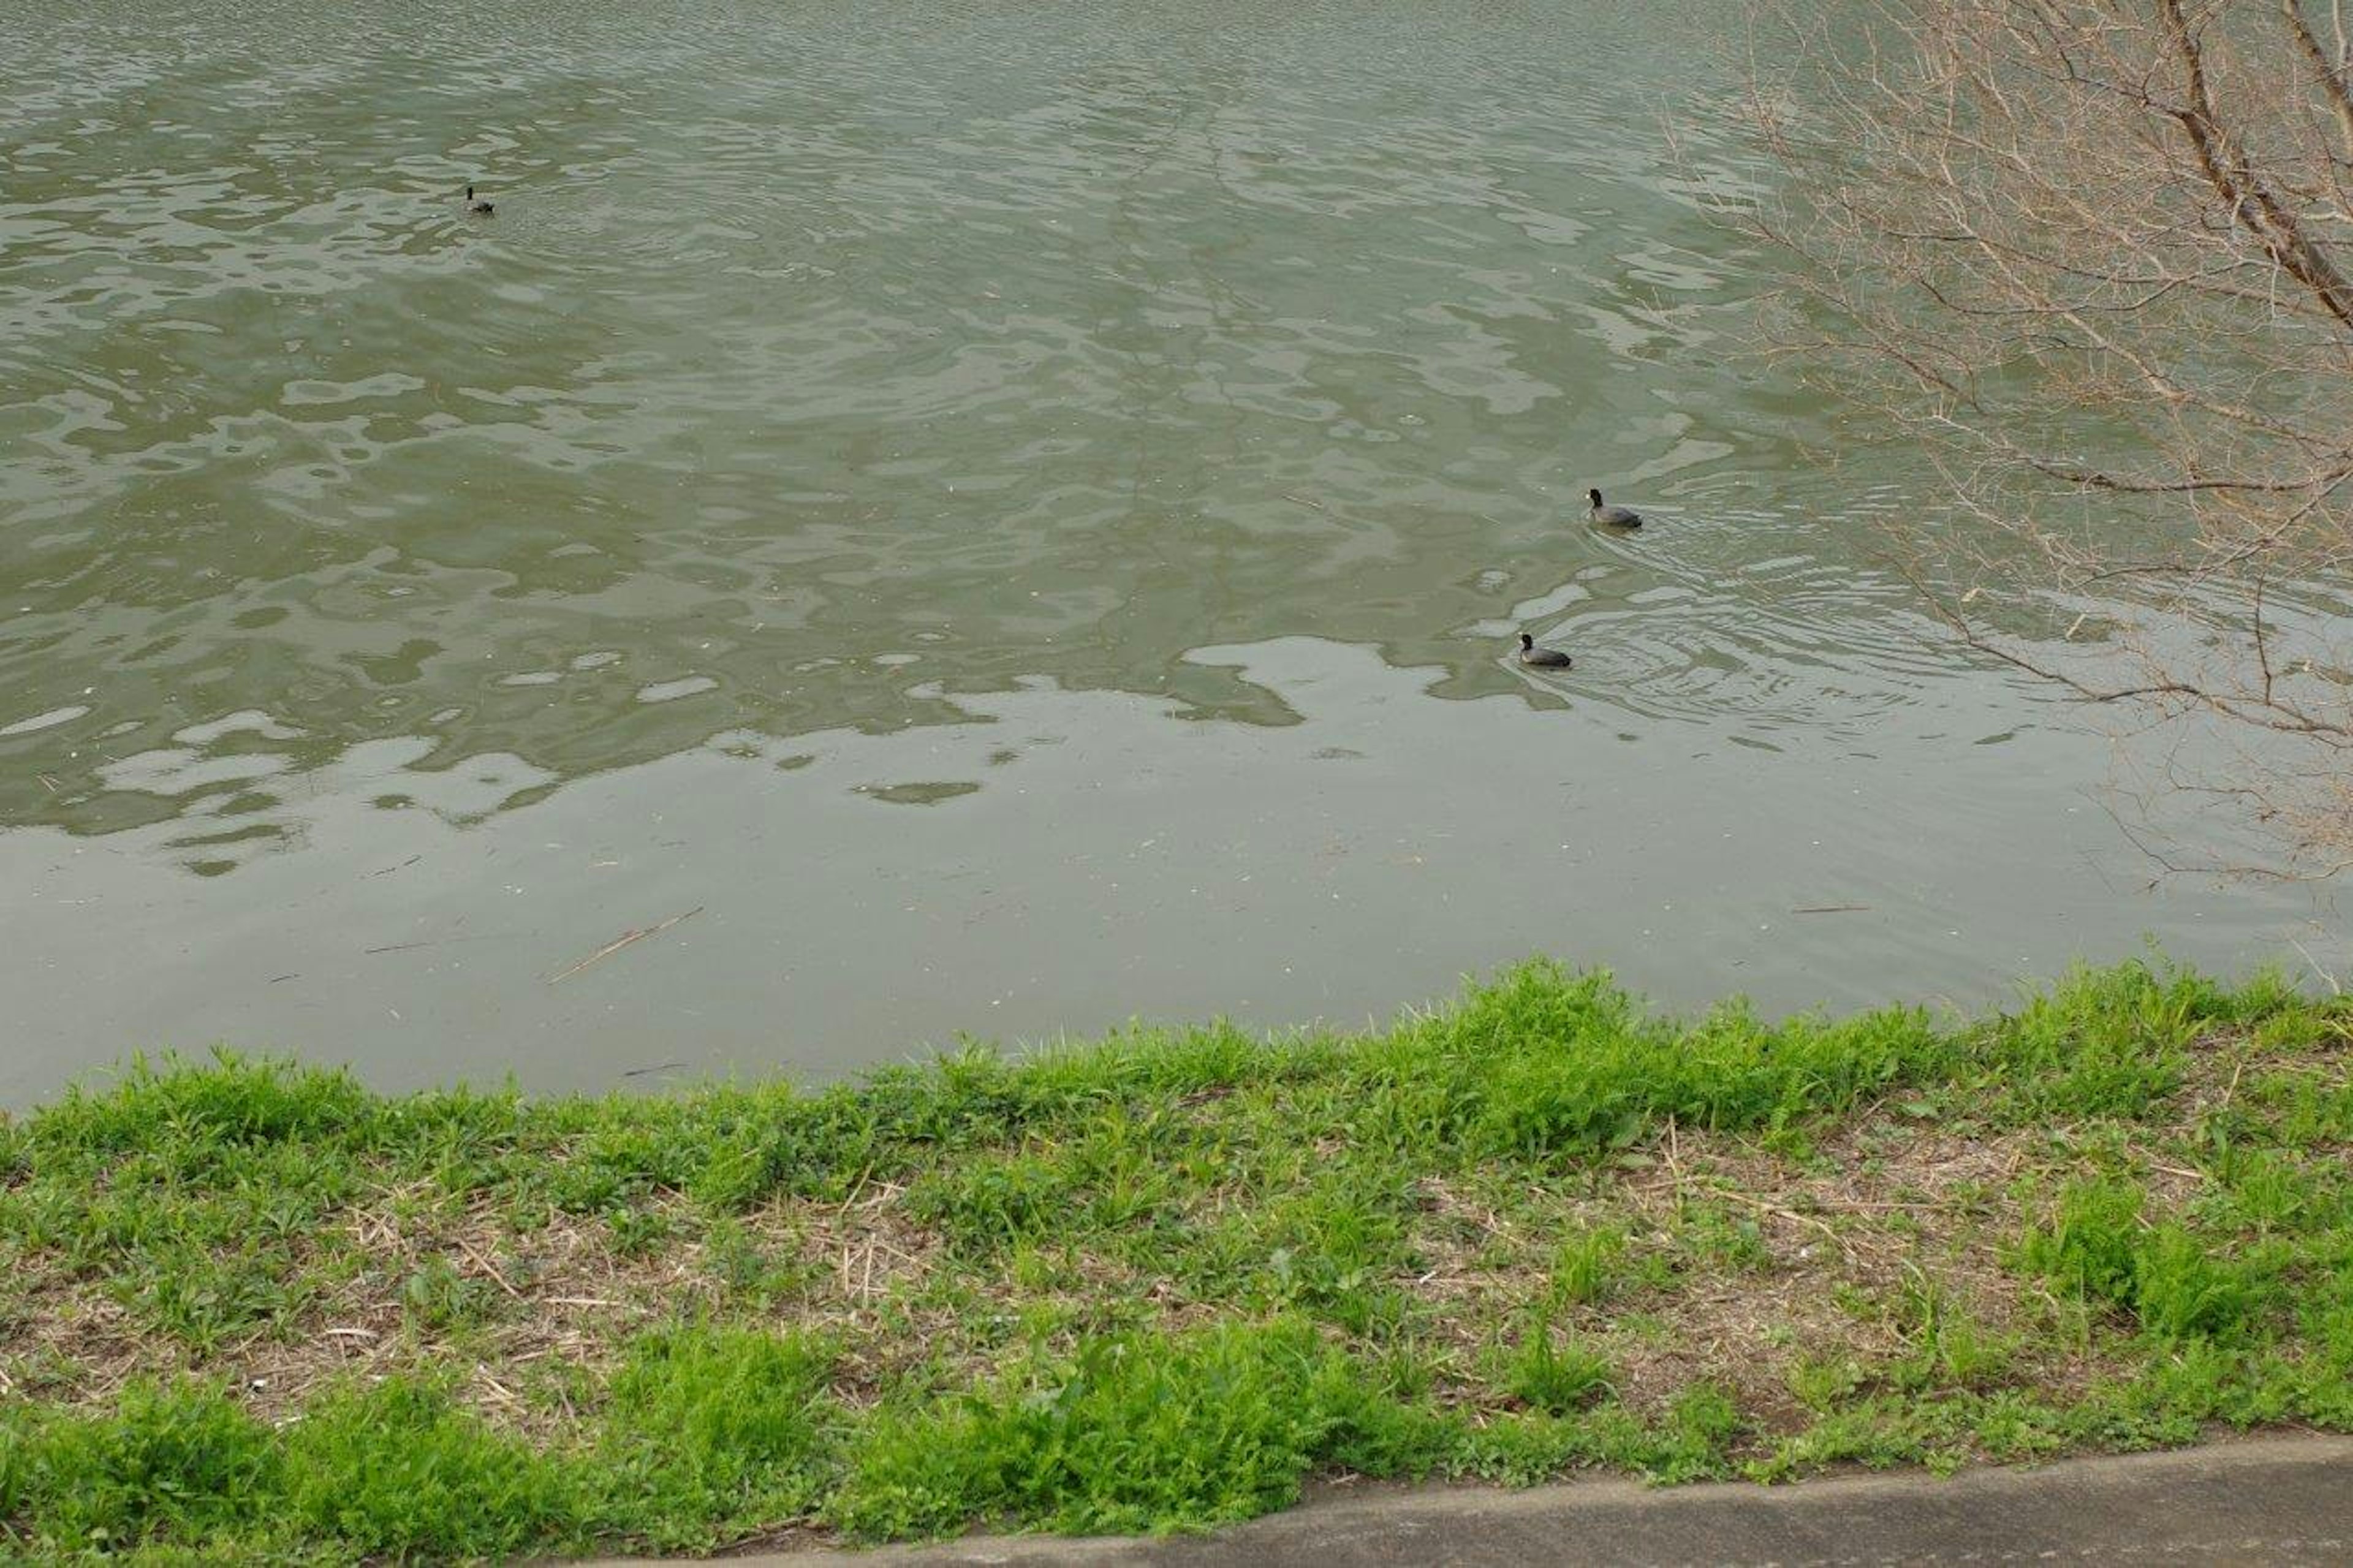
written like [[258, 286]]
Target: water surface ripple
[[825, 369]]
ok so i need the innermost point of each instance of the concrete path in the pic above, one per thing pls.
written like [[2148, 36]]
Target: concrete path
[[2273, 1500]]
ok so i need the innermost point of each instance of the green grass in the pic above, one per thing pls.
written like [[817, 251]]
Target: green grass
[[249, 1307], [1544, 1375]]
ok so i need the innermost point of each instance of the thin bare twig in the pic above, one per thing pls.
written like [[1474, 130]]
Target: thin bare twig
[[620, 941]]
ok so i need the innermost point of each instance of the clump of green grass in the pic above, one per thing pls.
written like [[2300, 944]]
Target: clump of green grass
[[2092, 1244], [2174, 1282], [395, 1469], [400, 1470], [1157, 1282], [1585, 1269], [1950, 1348], [983, 1204], [1556, 1379], [174, 1462], [1134, 1433], [438, 1300], [713, 1433], [207, 1298]]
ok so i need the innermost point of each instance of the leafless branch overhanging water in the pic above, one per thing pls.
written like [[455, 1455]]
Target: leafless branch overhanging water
[[2094, 259]]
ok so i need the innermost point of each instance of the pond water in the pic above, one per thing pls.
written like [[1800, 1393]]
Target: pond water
[[1007, 517]]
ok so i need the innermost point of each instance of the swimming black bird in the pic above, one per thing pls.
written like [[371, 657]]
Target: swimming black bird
[[478, 206], [1541, 657], [1612, 516]]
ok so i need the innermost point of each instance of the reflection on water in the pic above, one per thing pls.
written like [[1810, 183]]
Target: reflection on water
[[810, 356], [827, 371], [1055, 859]]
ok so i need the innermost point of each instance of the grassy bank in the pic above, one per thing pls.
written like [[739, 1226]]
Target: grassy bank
[[1162, 1281]]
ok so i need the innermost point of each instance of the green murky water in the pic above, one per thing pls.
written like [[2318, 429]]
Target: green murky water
[[1014, 513]]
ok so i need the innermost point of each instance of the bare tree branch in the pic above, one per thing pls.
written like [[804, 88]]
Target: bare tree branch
[[2094, 260]]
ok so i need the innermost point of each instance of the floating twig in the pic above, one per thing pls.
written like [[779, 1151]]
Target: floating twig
[[439, 942], [1830, 908], [620, 941]]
